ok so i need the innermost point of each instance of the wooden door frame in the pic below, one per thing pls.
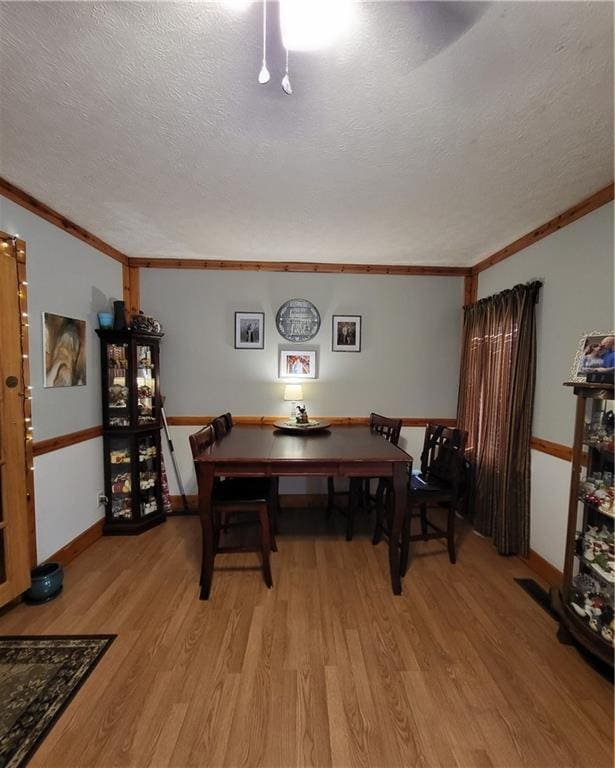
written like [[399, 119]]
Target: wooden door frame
[[17, 248]]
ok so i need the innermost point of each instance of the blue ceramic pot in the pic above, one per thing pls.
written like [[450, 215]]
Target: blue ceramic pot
[[46, 583], [105, 320]]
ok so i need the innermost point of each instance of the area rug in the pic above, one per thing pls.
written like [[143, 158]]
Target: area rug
[[38, 678]]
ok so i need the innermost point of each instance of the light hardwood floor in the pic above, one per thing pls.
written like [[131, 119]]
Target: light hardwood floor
[[325, 669]]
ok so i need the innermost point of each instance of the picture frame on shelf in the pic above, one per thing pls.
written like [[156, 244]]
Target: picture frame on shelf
[[249, 330], [297, 363], [594, 358], [346, 333]]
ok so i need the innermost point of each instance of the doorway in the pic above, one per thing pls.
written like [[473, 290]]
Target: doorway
[[16, 496]]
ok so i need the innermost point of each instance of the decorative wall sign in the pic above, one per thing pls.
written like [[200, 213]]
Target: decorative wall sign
[[64, 351], [297, 320]]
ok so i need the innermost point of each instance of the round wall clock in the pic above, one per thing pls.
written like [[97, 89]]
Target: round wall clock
[[297, 320]]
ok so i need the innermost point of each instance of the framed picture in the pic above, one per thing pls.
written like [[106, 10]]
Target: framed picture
[[346, 333], [297, 364], [249, 330], [595, 358], [63, 351]]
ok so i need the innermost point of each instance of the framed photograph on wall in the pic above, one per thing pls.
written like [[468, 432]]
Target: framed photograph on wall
[[346, 333], [64, 351], [297, 364], [594, 359], [249, 330]]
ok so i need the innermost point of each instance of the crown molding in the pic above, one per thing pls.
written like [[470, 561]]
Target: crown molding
[[16, 195], [591, 203]]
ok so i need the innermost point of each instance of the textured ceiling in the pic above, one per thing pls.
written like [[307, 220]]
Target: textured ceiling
[[435, 133]]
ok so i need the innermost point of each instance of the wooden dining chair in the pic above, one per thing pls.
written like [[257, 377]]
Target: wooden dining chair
[[220, 425], [241, 494], [359, 492], [439, 484]]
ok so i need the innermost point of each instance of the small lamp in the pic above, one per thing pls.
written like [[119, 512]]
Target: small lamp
[[293, 393]]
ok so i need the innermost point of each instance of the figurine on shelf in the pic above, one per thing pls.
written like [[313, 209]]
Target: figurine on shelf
[[145, 324], [117, 396], [302, 417]]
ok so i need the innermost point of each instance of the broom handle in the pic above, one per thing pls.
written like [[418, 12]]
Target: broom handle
[[172, 452]]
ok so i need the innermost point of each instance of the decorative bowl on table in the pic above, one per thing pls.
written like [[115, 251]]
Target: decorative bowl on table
[[291, 425]]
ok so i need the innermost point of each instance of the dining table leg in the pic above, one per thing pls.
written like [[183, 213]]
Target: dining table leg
[[400, 488], [205, 477]]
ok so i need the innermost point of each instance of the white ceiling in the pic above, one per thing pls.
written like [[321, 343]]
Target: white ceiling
[[434, 134]]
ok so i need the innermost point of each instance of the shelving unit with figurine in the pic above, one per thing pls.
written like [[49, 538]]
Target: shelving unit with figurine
[[585, 601], [131, 426]]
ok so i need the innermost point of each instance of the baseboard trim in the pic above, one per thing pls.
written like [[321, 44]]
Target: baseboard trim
[[79, 544], [543, 568]]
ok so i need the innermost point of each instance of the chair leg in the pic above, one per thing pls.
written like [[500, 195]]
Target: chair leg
[[423, 509], [450, 534], [367, 494], [265, 534], [405, 542]]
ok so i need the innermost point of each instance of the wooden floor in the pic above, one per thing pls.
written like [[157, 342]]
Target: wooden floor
[[325, 669]]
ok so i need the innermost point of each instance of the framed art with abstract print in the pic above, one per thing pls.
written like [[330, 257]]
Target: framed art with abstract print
[[297, 364], [249, 330], [346, 333], [64, 351], [594, 361]]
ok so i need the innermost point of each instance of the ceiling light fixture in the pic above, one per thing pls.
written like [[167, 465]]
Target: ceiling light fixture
[[309, 25], [263, 75], [306, 25]]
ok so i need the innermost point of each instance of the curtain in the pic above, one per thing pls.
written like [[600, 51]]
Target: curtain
[[496, 394]]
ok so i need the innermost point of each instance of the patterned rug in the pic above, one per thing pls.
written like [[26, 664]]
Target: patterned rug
[[38, 678]]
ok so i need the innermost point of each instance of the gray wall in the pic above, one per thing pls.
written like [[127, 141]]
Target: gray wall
[[408, 365], [67, 277], [576, 268]]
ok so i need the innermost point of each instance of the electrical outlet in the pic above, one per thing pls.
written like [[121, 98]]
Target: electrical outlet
[[101, 499]]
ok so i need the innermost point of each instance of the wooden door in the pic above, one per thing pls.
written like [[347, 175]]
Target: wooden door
[[14, 470]]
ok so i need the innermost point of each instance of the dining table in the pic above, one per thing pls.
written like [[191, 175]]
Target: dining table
[[264, 451]]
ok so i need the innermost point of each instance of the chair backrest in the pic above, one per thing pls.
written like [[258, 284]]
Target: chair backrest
[[229, 421], [390, 429], [444, 454], [201, 440], [220, 427]]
